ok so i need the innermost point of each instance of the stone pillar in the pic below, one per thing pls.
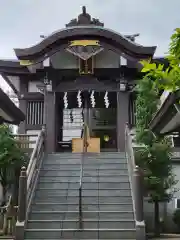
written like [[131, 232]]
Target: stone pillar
[[138, 194], [49, 120], [22, 206], [122, 118], [22, 197]]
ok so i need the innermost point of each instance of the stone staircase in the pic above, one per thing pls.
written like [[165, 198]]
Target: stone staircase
[[107, 209]]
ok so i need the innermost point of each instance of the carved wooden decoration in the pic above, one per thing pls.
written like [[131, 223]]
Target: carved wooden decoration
[[84, 49]]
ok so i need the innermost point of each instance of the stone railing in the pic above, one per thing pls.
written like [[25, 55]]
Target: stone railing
[[163, 98], [27, 183], [135, 176], [8, 212], [26, 142]]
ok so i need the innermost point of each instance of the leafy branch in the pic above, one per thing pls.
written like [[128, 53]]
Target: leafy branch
[[166, 78], [11, 158]]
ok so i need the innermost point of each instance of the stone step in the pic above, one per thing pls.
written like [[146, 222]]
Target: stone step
[[62, 215], [88, 224], [85, 200], [90, 167], [85, 179], [88, 239], [87, 162], [85, 192], [75, 185], [85, 207], [58, 173], [80, 234], [89, 155]]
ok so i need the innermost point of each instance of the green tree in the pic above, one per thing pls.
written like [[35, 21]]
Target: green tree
[[154, 157], [166, 78], [146, 106], [11, 159]]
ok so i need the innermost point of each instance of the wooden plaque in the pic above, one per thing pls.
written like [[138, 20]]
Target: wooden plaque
[[77, 145], [94, 145]]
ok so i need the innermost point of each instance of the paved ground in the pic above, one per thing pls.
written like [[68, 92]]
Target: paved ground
[[6, 238], [167, 237]]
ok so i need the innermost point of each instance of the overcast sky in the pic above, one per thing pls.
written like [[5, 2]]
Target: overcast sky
[[23, 21]]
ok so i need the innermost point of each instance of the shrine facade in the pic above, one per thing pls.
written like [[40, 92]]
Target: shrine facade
[[84, 73]]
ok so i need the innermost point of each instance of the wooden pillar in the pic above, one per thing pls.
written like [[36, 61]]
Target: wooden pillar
[[50, 115], [23, 103], [122, 118]]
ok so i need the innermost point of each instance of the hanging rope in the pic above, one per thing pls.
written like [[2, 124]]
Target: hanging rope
[[79, 99], [106, 100], [65, 100], [93, 103]]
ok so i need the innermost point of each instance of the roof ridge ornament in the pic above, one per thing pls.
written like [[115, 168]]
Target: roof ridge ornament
[[84, 10], [84, 19]]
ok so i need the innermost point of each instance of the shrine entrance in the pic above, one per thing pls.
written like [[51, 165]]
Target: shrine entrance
[[96, 109]]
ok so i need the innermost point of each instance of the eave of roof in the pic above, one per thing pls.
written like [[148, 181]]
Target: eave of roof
[[79, 32], [12, 66], [10, 108], [161, 60], [10, 62], [159, 115]]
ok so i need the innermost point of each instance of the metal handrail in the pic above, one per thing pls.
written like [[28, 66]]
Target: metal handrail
[[85, 146]]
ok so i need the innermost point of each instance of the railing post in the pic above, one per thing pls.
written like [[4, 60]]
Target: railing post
[[22, 196], [138, 194], [44, 136], [44, 129]]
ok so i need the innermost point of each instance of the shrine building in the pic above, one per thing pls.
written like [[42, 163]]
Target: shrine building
[[84, 73]]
